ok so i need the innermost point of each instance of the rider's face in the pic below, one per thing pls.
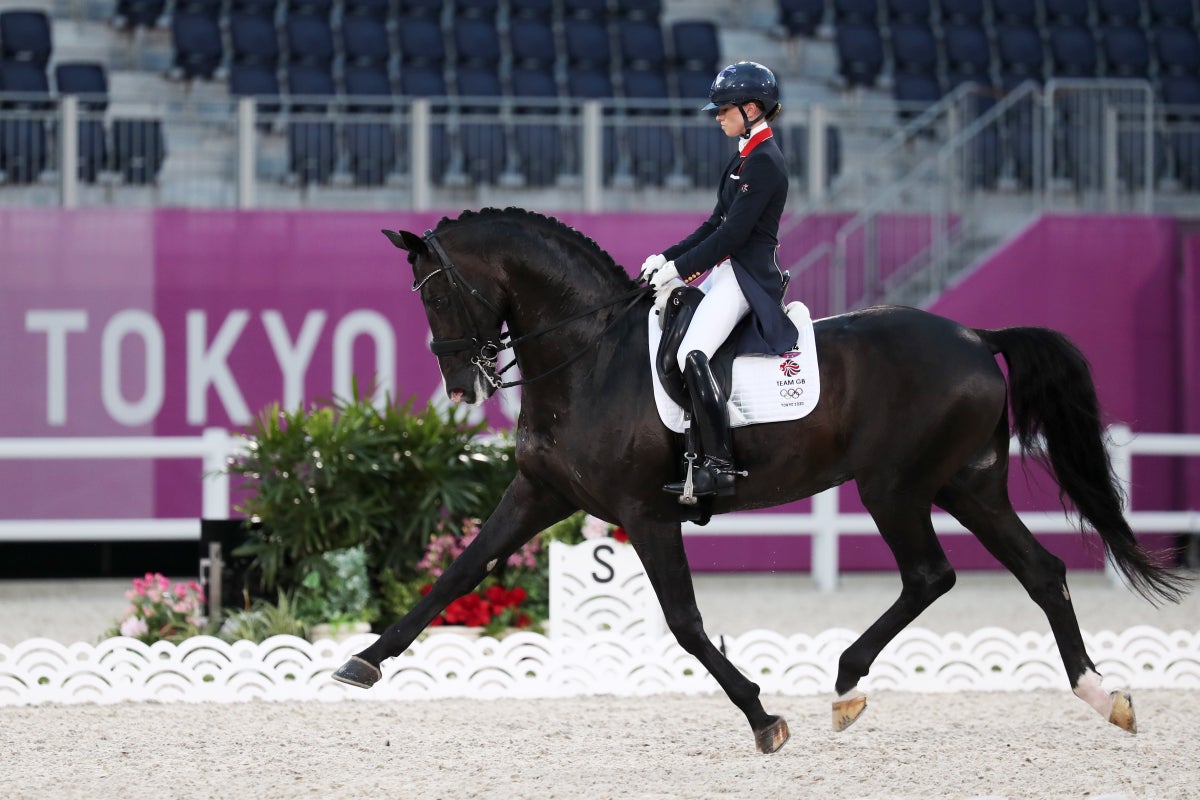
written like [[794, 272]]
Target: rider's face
[[731, 120]]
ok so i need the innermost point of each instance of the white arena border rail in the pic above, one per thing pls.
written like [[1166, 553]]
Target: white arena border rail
[[825, 523]]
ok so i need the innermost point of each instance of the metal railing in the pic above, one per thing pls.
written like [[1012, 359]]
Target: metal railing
[[825, 523]]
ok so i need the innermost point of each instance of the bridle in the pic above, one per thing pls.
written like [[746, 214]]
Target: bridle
[[486, 350]]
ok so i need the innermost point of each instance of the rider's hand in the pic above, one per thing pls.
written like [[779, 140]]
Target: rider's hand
[[651, 265], [663, 275]]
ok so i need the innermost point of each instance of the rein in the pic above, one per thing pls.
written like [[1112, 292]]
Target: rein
[[487, 351]]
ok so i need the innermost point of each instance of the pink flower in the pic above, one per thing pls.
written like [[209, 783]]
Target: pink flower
[[594, 527], [134, 627]]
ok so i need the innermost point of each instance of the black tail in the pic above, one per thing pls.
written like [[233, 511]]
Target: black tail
[[1052, 395]]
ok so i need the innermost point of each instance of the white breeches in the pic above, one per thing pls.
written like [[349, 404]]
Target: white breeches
[[718, 314]]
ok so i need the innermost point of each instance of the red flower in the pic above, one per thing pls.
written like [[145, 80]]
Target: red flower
[[470, 609], [620, 535]]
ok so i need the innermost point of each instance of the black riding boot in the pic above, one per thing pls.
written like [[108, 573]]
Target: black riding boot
[[715, 473]]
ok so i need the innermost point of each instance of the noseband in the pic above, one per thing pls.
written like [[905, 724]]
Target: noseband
[[486, 351]]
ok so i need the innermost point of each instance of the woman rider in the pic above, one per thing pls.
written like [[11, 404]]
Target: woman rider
[[738, 244]]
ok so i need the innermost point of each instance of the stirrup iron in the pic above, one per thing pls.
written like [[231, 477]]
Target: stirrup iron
[[688, 498]]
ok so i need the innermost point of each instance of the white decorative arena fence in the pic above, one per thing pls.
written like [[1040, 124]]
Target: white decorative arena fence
[[528, 665]]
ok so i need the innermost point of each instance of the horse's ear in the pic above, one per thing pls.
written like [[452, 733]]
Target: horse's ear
[[406, 241]]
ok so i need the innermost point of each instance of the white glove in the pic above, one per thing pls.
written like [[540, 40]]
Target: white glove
[[651, 265], [663, 275], [662, 294]]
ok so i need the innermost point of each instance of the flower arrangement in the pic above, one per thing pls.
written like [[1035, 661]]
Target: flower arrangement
[[160, 611], [515, 594]]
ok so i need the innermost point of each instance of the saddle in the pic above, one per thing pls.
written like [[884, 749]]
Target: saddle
[[677, 317]]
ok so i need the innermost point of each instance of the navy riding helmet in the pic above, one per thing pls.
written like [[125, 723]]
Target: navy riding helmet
[[742, 83]]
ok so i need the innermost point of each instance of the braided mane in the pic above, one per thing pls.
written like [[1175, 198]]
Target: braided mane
[[521, 214]]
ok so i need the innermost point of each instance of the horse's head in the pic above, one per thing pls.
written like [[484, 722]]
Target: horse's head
[[464, 320]]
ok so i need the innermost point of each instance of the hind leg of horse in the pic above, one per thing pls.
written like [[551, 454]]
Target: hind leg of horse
[[524, 511], [979, 500], [925, 575], [661, 551]]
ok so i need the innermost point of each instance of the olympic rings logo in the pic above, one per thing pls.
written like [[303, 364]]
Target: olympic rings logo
[[791, 393]]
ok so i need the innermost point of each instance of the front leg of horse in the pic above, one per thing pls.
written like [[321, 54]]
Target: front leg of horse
[[665, 560], [523, 512]]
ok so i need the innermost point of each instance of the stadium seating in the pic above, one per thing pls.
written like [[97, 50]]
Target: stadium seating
[[89, 81], [1073, 52], [1067, 13], [1119, 13], [531, 42], [967, 53], [25, 37], [373, 9], [1126, 52], [309, 41], [197, 44], [856, 12], [312, 151], [370, 152], [641, 44], [138, 149], [914, 49], [910, 12], [477, 43], [22, 149], [365, 42], [253, 41], [1021, 55], [587, 43], [421, 42], [860, 54], [963, 12], [801, 17], [138, 13]]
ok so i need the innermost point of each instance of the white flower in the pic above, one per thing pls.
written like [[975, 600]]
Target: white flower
[[594, 527], [134, 627]]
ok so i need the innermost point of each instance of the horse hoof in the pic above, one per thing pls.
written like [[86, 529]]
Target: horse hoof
[[772, 737], [358, 672], [848, 708], [1122, 712]]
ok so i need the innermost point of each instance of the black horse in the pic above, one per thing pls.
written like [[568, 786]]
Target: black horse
[[912, 407]]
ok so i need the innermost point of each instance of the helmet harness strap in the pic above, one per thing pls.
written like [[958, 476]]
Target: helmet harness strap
[[749, 123]]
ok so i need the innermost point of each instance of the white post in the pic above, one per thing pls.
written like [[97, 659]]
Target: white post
[[419, 172], [591, 155], [816, 153], [825, 540], [68, 155], [218, 446], [246, 167]]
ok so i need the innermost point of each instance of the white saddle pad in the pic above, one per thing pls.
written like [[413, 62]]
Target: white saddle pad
[[766, 388]]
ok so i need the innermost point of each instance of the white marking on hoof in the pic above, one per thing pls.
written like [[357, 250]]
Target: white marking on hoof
[[847, 708], [1089, 690]]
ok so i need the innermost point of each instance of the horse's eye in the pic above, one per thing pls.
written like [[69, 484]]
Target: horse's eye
[[438, 303]]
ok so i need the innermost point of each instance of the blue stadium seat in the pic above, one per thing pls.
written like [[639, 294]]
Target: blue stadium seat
[[963, 12], [138, 149], [369, 81], [84, 78], [1171, 13], [430, 82], [1126, 52], [365, 42], [374, 9], [22, 149], [421, 42], [1119, 13], [1017, 13], [259, 81], [637, 9], [310, 41], [640, 43], [703, 152], [538, 146], [794, 143], [693, 85], [860, 54], [583, 82], [912, 12], [371, 153], [695, 45], [1067, 13], [915, 92], [585, 9], [27, 81], [310, 88], [801, 17], [138, 13], [92, 151], [651, 153], [914, 49], [1181, 91], [967, 53], [531, 42], [196, 40], [1021, 55], [320, 9], [477, 42], [25, 36], [644, 86], [1073, 53], [1177, 51], [531, 9], [484, 148], [202, 8], [481, 9], [312, 151], [429, 9], [586, 43], [856, 12], [253, 40], [253, 8]]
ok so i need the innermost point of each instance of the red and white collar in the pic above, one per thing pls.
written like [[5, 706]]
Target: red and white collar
[[758, 134]]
